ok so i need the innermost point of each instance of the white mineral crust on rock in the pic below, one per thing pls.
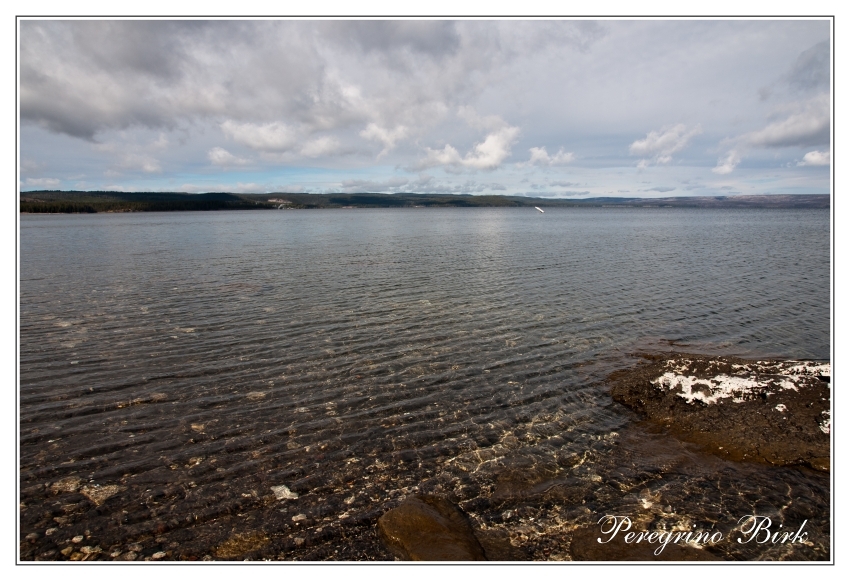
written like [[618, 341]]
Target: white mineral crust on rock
[[780, 374]]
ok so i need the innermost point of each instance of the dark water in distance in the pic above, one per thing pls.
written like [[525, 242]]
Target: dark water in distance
[[194, 360]]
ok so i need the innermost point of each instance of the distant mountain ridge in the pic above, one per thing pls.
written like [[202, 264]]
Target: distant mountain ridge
[[46, 201]]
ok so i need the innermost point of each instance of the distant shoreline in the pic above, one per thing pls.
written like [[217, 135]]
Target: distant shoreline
[[59, 202]]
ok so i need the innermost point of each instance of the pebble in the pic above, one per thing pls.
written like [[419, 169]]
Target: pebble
[[129, 556], [158, 555], [32, 536], [77, 539], [135, 547], [282, 492], [51, 531], [298, 541], [299, 517]]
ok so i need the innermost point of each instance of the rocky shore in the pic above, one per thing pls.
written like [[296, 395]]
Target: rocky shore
[[498, 502], [770, 411]]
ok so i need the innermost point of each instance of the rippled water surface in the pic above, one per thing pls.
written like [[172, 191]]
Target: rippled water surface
[[176, 366]]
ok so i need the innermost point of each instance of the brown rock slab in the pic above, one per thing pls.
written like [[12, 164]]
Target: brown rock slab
[[586, 547], [429, 528], [497, 546]]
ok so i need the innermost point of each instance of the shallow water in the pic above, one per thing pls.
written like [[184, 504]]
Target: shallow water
[[194, 360]]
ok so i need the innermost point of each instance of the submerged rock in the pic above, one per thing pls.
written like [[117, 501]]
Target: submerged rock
[[429, 528], [99, 494], [241, 543], [769, 411], [68, 484]]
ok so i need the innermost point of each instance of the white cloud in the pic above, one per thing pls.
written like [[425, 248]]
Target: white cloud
[[815, 158], [221, 157], [726, 164], [269, 137], [488, 154], [480, 122], [321, 146], [388, 137], [539, 156], [662, 144], [807, 126], [800, 125], [391, 184], [42, 182], [139, 161]]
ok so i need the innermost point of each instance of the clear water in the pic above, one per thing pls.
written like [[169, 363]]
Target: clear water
[[194, 360]]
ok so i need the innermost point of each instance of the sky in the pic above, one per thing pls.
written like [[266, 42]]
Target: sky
[[544, 108]]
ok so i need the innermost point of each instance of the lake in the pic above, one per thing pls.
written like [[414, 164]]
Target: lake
[[174, 367]]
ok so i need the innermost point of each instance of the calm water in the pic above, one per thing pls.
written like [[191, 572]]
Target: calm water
[[188, 362]]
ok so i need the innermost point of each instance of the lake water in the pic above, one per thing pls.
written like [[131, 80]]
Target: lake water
[[176, 366]]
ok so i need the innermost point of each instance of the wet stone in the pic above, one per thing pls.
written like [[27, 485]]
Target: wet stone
[[69, 484], [240, 544], [429, 528], [99, 494]]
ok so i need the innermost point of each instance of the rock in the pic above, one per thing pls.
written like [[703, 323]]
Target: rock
[[821, 464], [67, 551], [77, 539], [282, 492], [429, 528], [241, 543], [129, 556], [69, 484], [158, 555], [135, 547], [51, 531], [775, 412], [497, 546], [99, 494], [585, 547]]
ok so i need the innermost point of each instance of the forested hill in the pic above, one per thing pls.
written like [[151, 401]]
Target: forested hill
[[90, 202]]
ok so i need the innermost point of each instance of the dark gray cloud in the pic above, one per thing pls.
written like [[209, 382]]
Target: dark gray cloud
[[433, 38], [811, 71]]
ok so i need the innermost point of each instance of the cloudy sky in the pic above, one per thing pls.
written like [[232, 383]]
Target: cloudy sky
[[575, 108]]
